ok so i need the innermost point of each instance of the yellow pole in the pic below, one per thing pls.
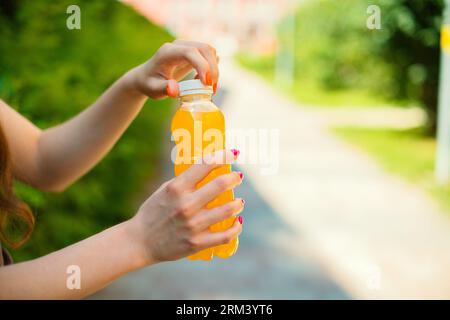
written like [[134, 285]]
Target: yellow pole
[[443, 130]]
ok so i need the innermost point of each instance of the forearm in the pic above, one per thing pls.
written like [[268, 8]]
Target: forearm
[[101, 259], [69, 150]]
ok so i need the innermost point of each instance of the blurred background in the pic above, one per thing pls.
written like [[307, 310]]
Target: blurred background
[[354, 210]]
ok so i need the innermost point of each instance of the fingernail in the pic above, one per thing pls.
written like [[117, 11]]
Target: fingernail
[[242, 201], [241, 175], [170, 91], [235, 153], [215, 88], [208, 78], [240, 219]]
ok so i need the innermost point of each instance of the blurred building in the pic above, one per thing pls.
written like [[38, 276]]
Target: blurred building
[[243, 24]]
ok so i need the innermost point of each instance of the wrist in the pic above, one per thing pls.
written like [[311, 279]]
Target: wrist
[[131, 82], [138, 253]]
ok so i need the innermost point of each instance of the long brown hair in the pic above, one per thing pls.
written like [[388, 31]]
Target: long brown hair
[[16, 218]]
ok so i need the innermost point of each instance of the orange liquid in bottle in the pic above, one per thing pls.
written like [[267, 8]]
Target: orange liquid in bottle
[[196, 121]]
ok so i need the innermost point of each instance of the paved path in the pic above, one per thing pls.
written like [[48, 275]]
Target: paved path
[[329, 224], [377, 236], [372, 117]]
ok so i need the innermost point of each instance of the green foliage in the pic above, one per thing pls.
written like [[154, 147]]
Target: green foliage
[[335, 51], [409, 45], [399, 61], [264, 65], [333, 46], [50, 73], [309, 91]]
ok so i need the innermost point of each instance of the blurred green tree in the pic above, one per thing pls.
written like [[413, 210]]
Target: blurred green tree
[[50, 73], [410, 44], [337, 51]]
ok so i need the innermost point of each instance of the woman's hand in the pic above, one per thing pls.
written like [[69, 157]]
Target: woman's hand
[[157, 78], [173, 223]]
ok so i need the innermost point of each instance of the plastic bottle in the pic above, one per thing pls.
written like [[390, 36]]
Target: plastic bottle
[[198, 128]]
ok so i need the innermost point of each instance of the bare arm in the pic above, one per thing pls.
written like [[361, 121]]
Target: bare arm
[[66, 152], [53, 159], [100, 258], [171, 224]]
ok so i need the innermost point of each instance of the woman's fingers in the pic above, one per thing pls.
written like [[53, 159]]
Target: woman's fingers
[[209, 53], [212, 239], [208, 217], [210, 56], [172, 62], [215, 187], [197, 172], [177, 52]]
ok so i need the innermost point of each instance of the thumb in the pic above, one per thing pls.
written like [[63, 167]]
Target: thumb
[[160, 88], [172, 89]]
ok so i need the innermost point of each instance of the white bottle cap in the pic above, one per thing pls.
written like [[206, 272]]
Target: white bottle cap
[[193, 86]]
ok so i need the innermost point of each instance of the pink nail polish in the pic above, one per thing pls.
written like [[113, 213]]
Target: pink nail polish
[[241, 175], [235, 152], [241, 220]]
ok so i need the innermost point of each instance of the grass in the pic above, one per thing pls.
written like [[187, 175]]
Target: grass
[[308, 92], [406, 153]]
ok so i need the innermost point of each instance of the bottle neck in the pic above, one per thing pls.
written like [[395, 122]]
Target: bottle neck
[[196, 97]]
